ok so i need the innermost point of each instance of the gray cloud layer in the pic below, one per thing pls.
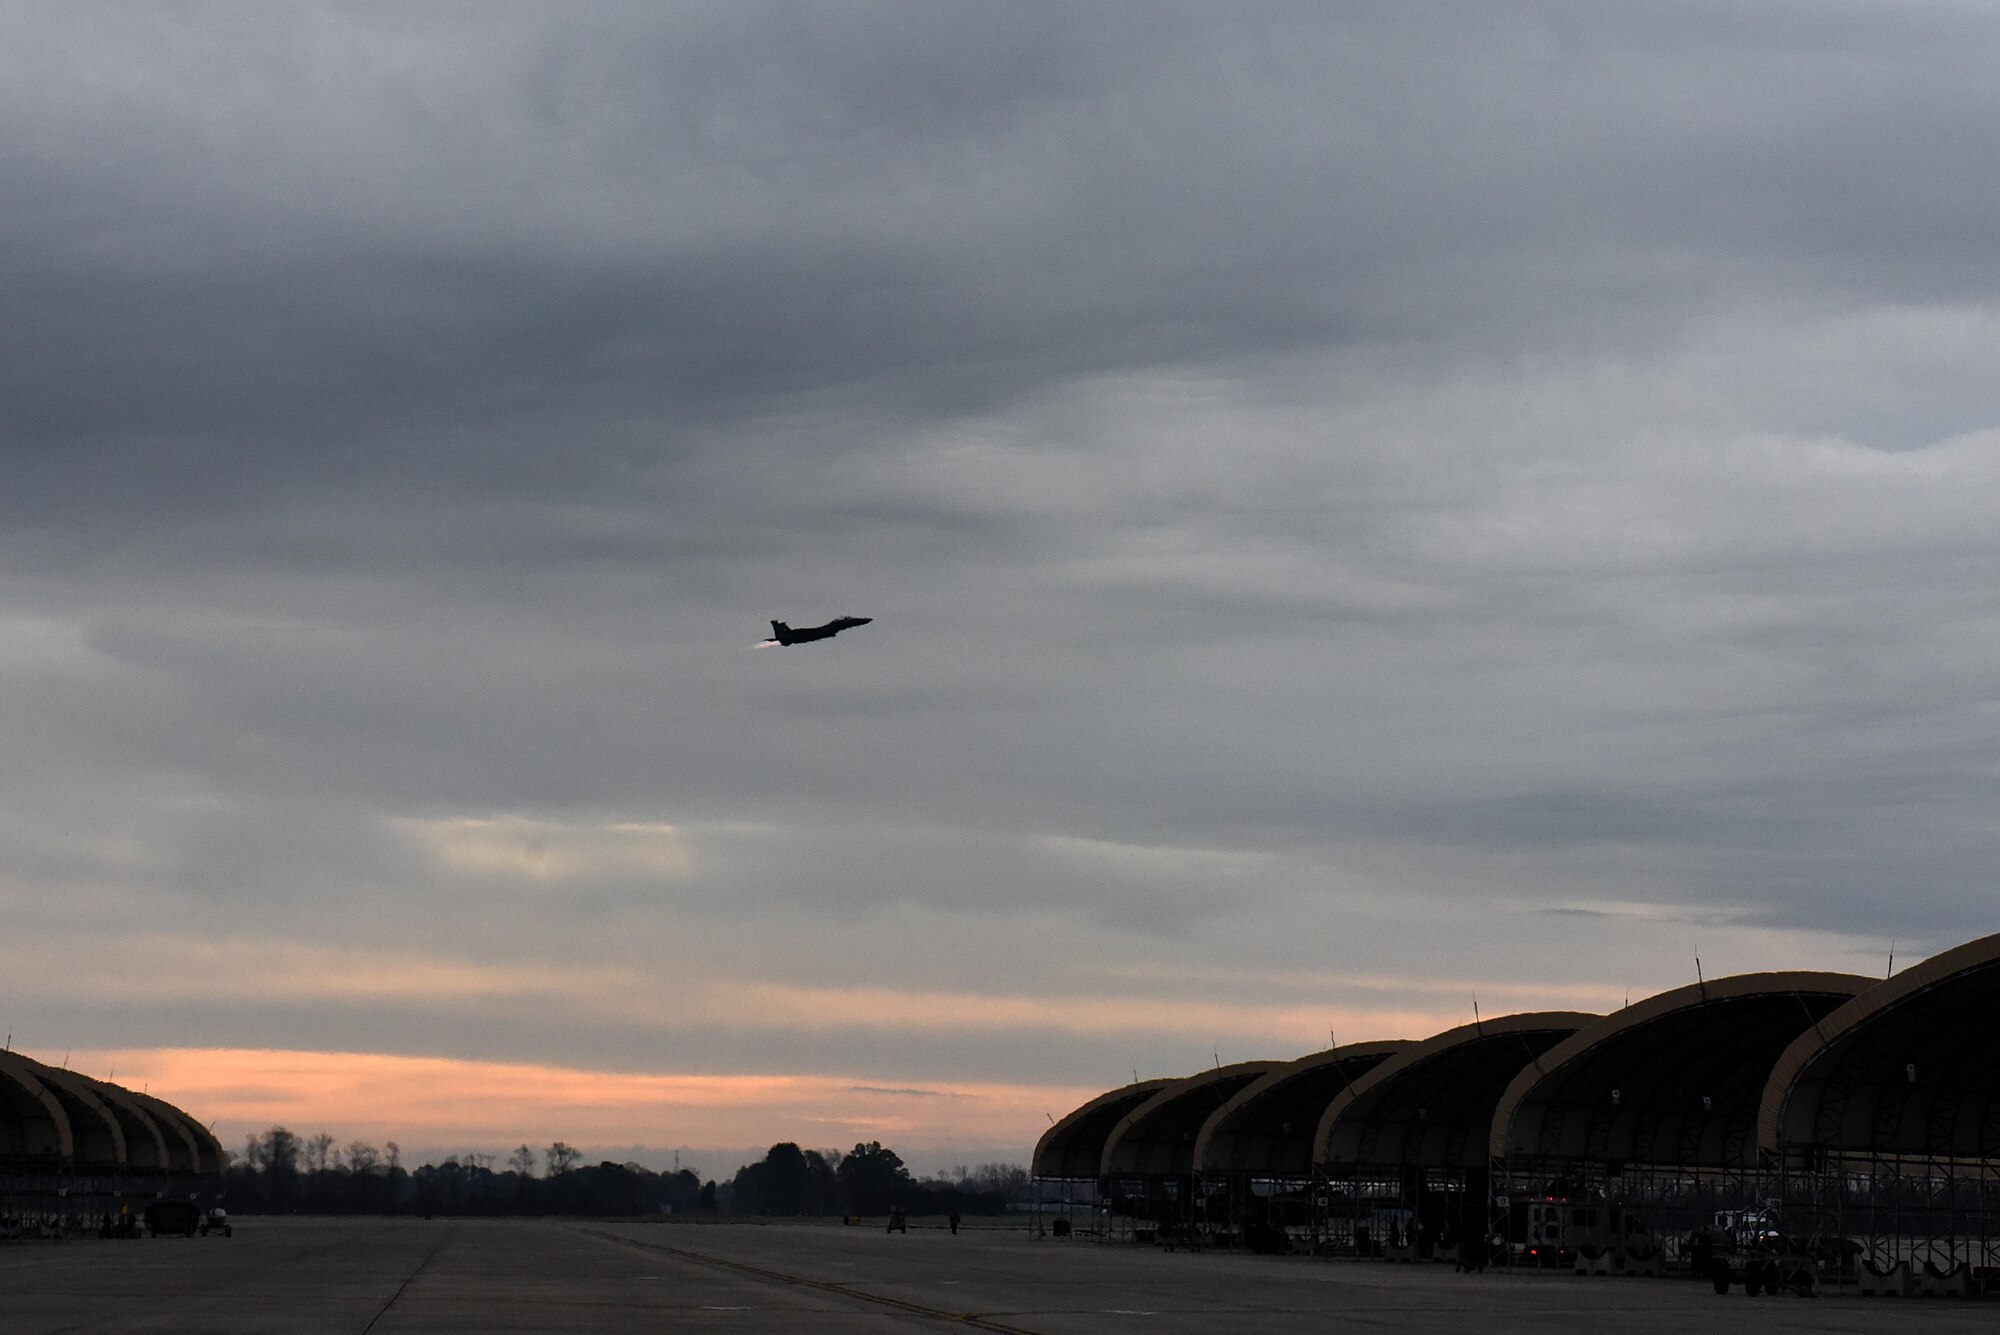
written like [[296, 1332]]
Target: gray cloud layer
[[1471, 495]]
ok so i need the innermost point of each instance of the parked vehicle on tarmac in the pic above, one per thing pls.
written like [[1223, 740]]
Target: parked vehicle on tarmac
[[182, 1217], [1754, 1251], [1549, 1231]]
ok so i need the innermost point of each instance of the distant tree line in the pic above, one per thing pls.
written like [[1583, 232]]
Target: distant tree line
[[283, 1173], [866, 1180]]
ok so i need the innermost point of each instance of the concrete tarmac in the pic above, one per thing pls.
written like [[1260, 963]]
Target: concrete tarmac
[[401, 1276]]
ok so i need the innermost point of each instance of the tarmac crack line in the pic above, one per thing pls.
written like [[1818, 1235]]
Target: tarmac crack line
[[410, 1279], [968, 1319]]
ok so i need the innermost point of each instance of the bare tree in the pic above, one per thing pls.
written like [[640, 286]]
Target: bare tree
[[318, 1150], [395, 1157], [363, 1158], [522, 1161], [1008, 1179], [275, 1152], [274, 1155], [561, 1158]]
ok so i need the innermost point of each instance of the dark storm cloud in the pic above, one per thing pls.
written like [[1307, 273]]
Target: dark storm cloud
[[329, 224], [344, 252]]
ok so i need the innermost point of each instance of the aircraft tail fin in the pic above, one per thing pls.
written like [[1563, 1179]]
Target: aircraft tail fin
[[780, 631]]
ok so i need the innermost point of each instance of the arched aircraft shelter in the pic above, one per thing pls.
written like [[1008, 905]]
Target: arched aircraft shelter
[[1256, 1152], [1647, 1118], [75, 1148], [1073, 1149], [1899, 1089], [1148, 1161], [1846, 1116], [1069, 1154], [1404, 1149], [1267, 1129]]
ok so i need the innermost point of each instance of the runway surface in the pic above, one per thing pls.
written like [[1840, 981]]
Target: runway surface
[[396, 1277]]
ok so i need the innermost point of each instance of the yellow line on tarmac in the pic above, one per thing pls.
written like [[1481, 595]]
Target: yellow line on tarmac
[[967, 1319]]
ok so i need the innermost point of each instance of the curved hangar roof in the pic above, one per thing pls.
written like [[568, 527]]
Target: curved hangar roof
[[145, 1145], [33, 1124], [203, 1153], [1671, 1080], [1909, 1067], [96, 1138], [50, 1117], [1267, 1128], [1157, 1137], [1074, 1147], [1431, 1104]]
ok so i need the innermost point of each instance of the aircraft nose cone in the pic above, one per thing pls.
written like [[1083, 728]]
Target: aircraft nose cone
[[863, 620]]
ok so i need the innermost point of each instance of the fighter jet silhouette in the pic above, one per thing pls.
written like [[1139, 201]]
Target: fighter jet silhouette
[[783, 634]]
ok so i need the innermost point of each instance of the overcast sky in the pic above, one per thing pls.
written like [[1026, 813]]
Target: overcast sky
[[1363, 505]]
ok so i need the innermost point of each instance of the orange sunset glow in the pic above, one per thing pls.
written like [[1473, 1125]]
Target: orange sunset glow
[[437, 1101]]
